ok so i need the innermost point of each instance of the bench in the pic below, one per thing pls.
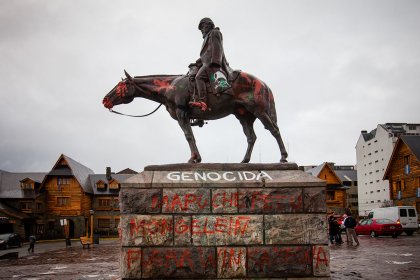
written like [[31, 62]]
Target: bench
[[85, 241]]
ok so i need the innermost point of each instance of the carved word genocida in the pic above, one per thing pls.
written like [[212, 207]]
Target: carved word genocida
[[217, 176]]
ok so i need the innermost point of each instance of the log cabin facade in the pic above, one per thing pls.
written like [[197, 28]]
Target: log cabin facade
[[60, 203], [336, 190], [403, 172]]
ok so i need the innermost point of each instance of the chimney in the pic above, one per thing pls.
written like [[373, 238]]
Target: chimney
[[108, 173]]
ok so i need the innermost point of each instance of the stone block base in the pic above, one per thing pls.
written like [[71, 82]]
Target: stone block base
[[219, 221]]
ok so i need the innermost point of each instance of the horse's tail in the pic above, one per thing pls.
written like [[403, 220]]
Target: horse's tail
[[272, 107]]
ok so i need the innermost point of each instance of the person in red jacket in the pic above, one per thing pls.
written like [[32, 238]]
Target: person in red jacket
[[212, 58]]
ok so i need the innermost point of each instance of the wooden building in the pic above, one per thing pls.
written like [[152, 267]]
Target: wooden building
[[21, 203], [62, 202], [403, 172], [68, 198], [106, 189], [336, 191]]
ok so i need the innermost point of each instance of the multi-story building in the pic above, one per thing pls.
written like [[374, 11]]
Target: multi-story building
[[62, 202], [341, 183], [348, 176], [403, 172], [373, 151]]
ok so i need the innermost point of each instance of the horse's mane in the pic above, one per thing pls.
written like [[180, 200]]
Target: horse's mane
[[166, 75]]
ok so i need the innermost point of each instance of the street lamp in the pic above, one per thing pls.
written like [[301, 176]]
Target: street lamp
[[91, 226]]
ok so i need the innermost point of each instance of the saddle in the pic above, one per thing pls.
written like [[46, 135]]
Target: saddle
[[217, 84]]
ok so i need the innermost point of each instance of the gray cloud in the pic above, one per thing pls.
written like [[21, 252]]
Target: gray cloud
[[335, 67]]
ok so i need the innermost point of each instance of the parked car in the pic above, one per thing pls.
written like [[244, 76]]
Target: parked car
[[404, 215], [379, 227], [10, 239]]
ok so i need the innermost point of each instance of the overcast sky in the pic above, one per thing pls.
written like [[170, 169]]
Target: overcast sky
[[335, 68]]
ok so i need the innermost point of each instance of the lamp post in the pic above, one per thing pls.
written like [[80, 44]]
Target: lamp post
[[91, 226]]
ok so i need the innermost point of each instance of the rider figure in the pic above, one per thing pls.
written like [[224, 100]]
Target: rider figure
[[212, 59]]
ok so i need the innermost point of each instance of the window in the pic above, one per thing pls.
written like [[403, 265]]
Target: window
[[26, 205], [63, 181], [398, 186], [26, 186], [330, 195], [403, 212], [104, 223], [63, 201], [407, 164], [104, 202], [100, 185], [39, 206], [114, 185], [116, 203], [411, 213]]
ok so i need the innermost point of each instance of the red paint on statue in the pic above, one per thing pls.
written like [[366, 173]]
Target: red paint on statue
[[163, 85]]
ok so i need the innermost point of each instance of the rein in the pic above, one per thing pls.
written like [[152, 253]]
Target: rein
[[140, 116]]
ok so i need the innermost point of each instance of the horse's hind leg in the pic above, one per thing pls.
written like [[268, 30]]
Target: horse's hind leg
[[273, 128], [184, 123], [247, 122]]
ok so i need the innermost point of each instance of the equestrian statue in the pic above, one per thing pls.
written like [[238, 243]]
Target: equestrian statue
[[210, 90]]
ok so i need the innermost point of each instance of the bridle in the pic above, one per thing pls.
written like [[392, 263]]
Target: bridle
[[122, 90], [138, 116]]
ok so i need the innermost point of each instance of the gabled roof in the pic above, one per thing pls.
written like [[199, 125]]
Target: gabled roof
[[318, 169], [369, 136], [102, 177], [127, 171], [347, 175], [9, 211], [10, 184], [412, 142], [78, 170]]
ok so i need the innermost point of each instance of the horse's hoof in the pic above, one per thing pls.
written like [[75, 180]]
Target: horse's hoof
[[283, 160]]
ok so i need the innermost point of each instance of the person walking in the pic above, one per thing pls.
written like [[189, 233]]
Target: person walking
[[32, 240], [350, 223]]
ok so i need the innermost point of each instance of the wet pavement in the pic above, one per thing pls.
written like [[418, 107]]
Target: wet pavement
[[376, 258]]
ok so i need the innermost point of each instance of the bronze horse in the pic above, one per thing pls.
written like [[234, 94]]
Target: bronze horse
[[248, 99]]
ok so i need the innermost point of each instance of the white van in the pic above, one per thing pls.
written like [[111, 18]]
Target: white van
[[404, 215]]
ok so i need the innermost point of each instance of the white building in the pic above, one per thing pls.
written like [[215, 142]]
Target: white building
[[373, 151]]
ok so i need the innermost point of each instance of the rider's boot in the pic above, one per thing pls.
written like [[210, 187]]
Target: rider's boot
[[201, 88]]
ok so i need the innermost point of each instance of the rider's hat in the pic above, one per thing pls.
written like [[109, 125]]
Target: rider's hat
[[205, 20]]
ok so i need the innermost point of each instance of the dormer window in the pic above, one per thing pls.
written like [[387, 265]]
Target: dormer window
[[27, 184], [114, 185], [100, 185], [63, 181]]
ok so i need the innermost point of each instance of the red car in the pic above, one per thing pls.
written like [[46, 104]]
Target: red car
[[377, 227]]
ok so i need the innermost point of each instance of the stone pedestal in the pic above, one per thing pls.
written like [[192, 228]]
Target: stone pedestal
[[218, 221]]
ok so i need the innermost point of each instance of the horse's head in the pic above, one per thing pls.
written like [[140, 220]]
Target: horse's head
[[122, 93]]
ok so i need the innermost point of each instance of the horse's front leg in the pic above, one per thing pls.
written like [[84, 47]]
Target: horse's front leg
[[184, 123]]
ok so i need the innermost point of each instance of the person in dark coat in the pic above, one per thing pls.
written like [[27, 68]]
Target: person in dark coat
[[32, 240], [350, 223], [212, 58]]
